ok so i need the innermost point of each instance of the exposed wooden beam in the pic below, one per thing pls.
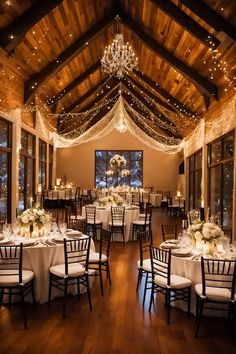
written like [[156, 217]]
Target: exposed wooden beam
[[177, 105], [37, 80], [202, 83], [193, 27], [86, 95], [106, 93], [154, 98], [13, 35], [156, 113], [52, 101], [211, 17]]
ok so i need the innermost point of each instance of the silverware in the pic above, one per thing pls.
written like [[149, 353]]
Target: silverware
[[44, 243]]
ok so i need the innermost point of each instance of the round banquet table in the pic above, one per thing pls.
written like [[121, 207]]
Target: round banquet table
[[190, 268], [39, 259], [104, 214]]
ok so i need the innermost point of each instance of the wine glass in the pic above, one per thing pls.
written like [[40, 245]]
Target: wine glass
[[54, 227], [63, 227], [6, 230]]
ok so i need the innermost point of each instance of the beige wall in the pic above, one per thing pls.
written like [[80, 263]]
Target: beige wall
[[77, 163]]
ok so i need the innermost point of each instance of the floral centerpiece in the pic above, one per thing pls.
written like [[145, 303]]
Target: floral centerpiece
[[33, 218], [118, 161], [124, 173], [112, 199], [207, 232]]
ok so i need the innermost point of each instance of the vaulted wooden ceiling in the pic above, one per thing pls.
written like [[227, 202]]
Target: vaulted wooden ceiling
[[57, 46]]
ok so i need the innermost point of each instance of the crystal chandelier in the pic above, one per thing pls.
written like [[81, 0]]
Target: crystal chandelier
[[118, 58]]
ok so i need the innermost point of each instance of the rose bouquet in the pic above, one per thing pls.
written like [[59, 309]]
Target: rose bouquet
[[117, 161]]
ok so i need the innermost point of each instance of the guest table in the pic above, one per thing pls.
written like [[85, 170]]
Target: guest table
[[39, 258], [104, 214]]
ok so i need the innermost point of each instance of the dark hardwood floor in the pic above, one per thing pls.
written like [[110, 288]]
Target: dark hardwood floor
[[118, 322]]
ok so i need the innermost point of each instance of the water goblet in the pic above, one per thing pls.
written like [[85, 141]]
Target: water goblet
[[63, 227]]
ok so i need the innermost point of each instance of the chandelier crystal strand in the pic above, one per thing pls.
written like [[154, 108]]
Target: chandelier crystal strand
[[118, 58]]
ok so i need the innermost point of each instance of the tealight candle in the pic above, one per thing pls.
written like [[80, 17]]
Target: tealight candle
[[219, 248], [205, 248]]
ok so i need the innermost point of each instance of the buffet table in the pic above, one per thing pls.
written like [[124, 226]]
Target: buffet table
[[39, 258], [104, 214]]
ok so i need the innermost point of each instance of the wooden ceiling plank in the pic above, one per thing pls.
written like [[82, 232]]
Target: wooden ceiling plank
[[65, 57], [202, 83], [13, 35], [193, 27], [161, 116], [74, 83], [86, 95], [211, 17], [177, 105]]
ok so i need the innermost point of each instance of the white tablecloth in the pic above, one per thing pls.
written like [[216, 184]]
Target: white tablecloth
[[39, 259], [104, 214], [155, 199]]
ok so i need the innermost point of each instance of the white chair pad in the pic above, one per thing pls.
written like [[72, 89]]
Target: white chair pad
[[94, 257], [141, 216], [146, 265], [140, 222], [74, 270], [77, 217], [91, 222], [176, 282], [214, 294], [117, 223], [13, 280]]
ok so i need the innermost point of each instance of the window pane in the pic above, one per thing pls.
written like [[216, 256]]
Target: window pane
[[3, 181], [227, 195], [4, 129], [136, 155], [228, 147], [198, 161], [198, 189], [23, 142], [30, 179], [216, 152], [30, 139], [215, 189], [191, 191], [21, 205], [136, 174]]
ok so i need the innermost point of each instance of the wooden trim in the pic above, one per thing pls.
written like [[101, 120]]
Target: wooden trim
[[24, 23], [211, 17], [202, 83], [187, 22], [37, 80]]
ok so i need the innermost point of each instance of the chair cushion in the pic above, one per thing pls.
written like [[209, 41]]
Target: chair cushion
[[146, 265], [214, 294], [94, 257], [91, 222], [140, 222], [117, 223], [13, 280], [176, 282], [78, 217], [74, 270]]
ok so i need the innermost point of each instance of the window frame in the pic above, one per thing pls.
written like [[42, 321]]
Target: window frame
[[119, 152], [194, 172], [50, 164], [42, 162], [26, 157], [220, 163], [8, 151]]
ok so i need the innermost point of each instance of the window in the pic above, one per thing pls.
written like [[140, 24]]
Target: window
[[195, 180], [42, 163], [134, 163], [220, 182], [26, 169], [5, 167], [50, 165]]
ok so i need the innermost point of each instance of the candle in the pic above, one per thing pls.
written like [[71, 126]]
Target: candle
[[178, 194], [39, 189], [31, 202], [58, 182], [205, 248]]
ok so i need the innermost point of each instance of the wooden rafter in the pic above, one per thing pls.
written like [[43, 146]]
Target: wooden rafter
[[178, 106], [37, 80], [187, 22], [87, 95], [106, 93], [154, 98], [156, 113], [211, 17], [202, 83], [74, 83], [13, 35]]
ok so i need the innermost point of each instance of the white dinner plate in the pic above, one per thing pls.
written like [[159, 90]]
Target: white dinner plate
[[181, 252], [169, 246]]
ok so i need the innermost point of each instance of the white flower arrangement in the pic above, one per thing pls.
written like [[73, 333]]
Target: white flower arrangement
[[206, 232], [112, 199], [118, 161], [34, 216], [124, 173]]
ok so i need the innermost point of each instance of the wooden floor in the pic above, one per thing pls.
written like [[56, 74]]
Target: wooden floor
[[118, 322]]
